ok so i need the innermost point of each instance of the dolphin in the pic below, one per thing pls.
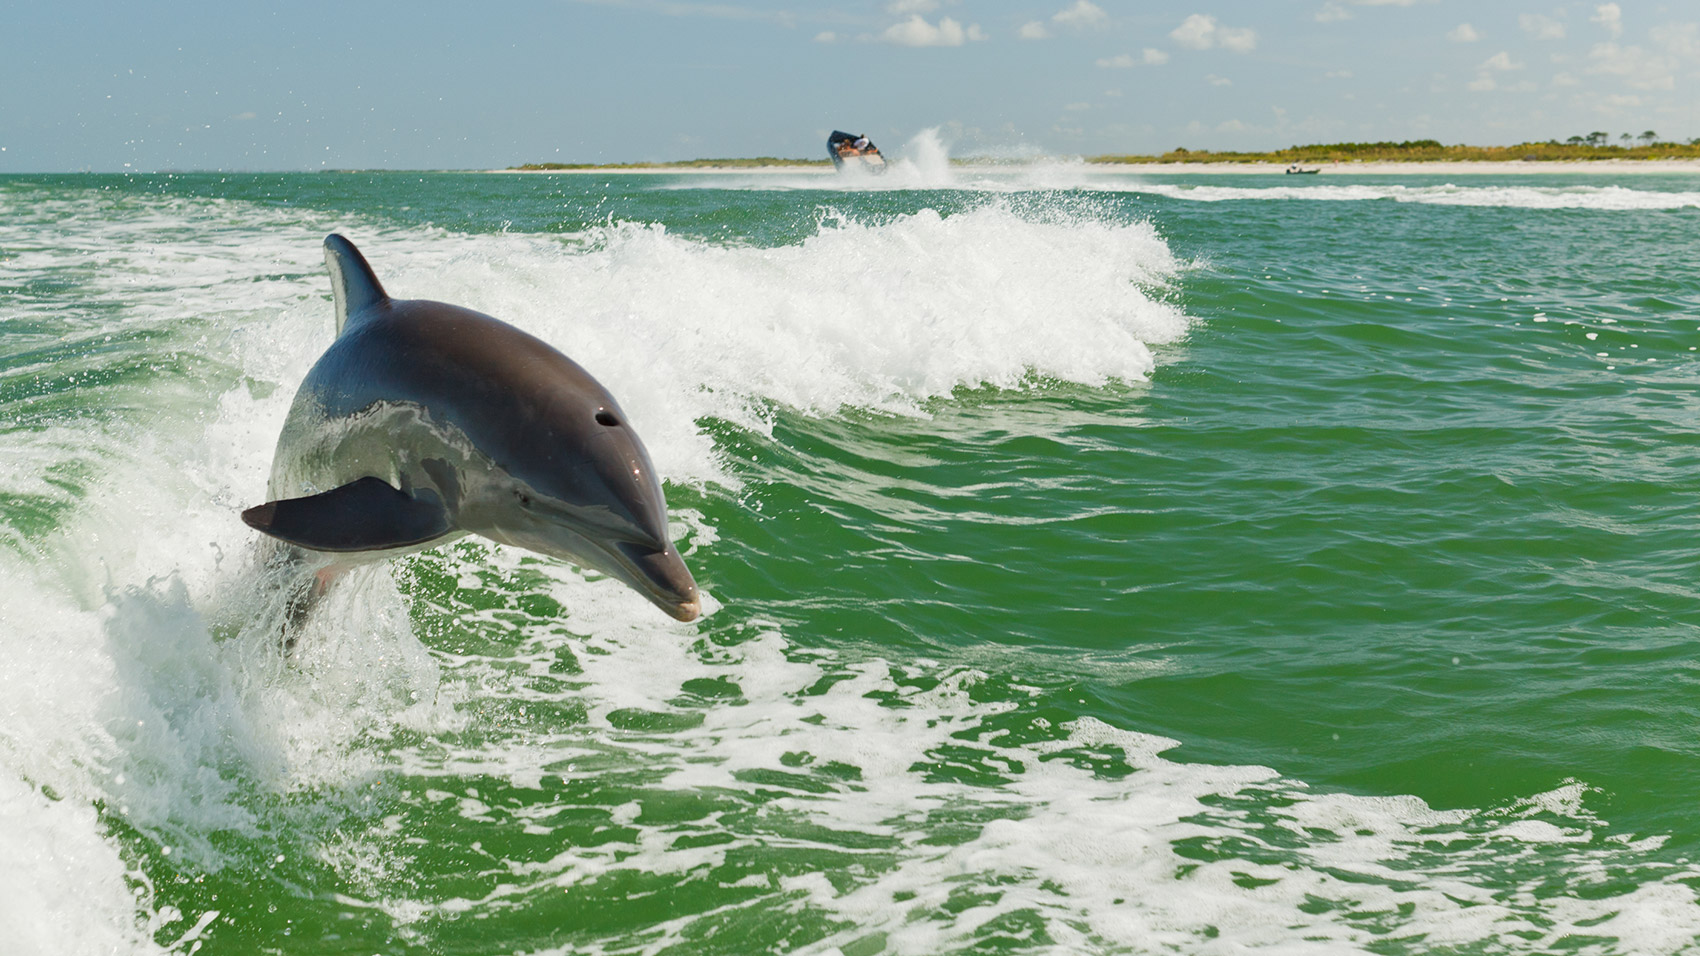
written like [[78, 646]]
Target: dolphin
[[425, 422]]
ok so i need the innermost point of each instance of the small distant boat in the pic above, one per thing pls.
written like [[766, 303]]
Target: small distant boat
[[852, 151], [1299, 171]]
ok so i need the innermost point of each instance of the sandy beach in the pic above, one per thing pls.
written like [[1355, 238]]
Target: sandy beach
[[1614, 167]]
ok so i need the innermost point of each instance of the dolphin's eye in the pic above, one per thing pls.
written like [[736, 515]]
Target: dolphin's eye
[[606, 417], [524, 499]]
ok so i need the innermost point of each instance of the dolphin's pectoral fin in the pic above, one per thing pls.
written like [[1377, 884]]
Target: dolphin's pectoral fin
[[363, 515]]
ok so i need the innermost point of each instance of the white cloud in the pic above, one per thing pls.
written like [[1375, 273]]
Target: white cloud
[[1565, 79], [1078, 107], [1201, 32], [1541, 27], [1196, 32], [1338, 74], [1609, 15], [1332, 10], [716, 11], [826, 36], [916, 31], [1083, 13], [1079, 16], [1463, 33], [898, 8], [1500, 62], [1606, 104], [1642, 69], [1239, 41], [1125, 61], [1215, 80], [1679, 39]]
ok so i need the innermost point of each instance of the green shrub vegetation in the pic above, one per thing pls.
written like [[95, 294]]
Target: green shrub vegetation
[[1593, 146]]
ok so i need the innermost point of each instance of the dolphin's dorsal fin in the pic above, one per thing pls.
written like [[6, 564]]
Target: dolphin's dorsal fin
[[352, 283]]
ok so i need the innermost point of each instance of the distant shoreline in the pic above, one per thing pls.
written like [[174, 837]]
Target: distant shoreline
[[1370, 167], [662, 170]]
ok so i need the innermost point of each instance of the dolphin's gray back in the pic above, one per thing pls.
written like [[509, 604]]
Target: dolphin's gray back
[[464, 367], [465, 389]]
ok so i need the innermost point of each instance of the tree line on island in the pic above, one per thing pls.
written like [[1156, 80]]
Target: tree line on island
[[1594, 145]]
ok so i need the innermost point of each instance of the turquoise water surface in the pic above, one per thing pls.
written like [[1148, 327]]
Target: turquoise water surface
[[1096, 563]]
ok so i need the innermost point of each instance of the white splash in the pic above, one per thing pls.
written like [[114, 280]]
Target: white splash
[[137, 684], [1169, 856], [142, 676]]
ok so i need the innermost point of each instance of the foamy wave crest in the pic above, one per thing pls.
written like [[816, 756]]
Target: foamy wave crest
[[145, 688], [869, 315]]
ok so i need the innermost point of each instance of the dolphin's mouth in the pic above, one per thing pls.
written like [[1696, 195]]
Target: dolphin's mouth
[[663, 578]]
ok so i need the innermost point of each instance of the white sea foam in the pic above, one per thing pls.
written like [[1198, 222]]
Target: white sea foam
[[142, 675], [872, 315], [1169, 856], [141, 678]]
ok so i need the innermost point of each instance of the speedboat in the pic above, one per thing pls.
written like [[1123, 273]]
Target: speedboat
[[1298, 171], [846, 154]]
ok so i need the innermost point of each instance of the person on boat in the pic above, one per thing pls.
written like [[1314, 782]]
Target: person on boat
[[854, 147], [844, 147]]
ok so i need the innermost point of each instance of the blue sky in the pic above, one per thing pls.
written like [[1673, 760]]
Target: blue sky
[[431, 85]]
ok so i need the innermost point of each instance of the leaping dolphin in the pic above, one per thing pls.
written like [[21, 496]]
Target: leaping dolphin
[[425, 422]]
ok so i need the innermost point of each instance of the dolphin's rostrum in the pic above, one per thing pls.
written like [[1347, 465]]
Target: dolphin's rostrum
[[424, 422]]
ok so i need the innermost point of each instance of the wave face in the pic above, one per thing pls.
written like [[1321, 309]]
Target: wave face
[[1085, 570]]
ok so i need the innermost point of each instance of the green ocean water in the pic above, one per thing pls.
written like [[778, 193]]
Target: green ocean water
[[1098, 563]]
